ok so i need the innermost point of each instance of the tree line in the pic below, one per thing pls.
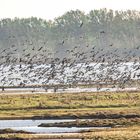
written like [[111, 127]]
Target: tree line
[[102, 28]]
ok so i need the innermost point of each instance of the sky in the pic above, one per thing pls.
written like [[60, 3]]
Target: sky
[[50, 9]]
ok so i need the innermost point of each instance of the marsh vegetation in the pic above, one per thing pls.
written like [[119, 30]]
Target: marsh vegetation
[[117, 110]]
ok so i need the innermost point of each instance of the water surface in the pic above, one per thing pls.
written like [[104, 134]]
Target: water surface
[[32, 126]]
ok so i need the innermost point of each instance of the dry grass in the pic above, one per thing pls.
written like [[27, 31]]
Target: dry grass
[[121, 122], [79, 104], [121, 108]]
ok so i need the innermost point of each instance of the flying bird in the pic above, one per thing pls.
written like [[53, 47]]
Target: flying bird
[[81, 24]]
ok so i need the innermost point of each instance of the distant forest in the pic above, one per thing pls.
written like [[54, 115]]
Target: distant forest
[[103, 28]]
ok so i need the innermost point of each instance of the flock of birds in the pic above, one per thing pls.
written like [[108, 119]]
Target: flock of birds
[[39, 66]]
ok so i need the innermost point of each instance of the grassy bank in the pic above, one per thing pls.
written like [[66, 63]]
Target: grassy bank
[[78, 105], [121, 122], [9, 130], [115, 109], [128, 133]]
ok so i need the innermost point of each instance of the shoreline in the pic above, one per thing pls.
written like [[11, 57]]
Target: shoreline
[[69, 91], [93, 116], [104, 108]]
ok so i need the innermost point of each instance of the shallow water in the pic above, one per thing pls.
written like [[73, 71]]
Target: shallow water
[[26, 123], [67, 90], [32, 126], [36, 129]]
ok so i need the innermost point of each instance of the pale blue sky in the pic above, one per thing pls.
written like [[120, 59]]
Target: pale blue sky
[[49, 9]]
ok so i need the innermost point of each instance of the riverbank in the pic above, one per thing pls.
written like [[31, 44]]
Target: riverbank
[[121, 122], [70, 106], [118, 110], [127, 133]]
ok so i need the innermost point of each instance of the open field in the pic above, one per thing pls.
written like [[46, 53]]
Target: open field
[[79, 105], [118, 110]]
